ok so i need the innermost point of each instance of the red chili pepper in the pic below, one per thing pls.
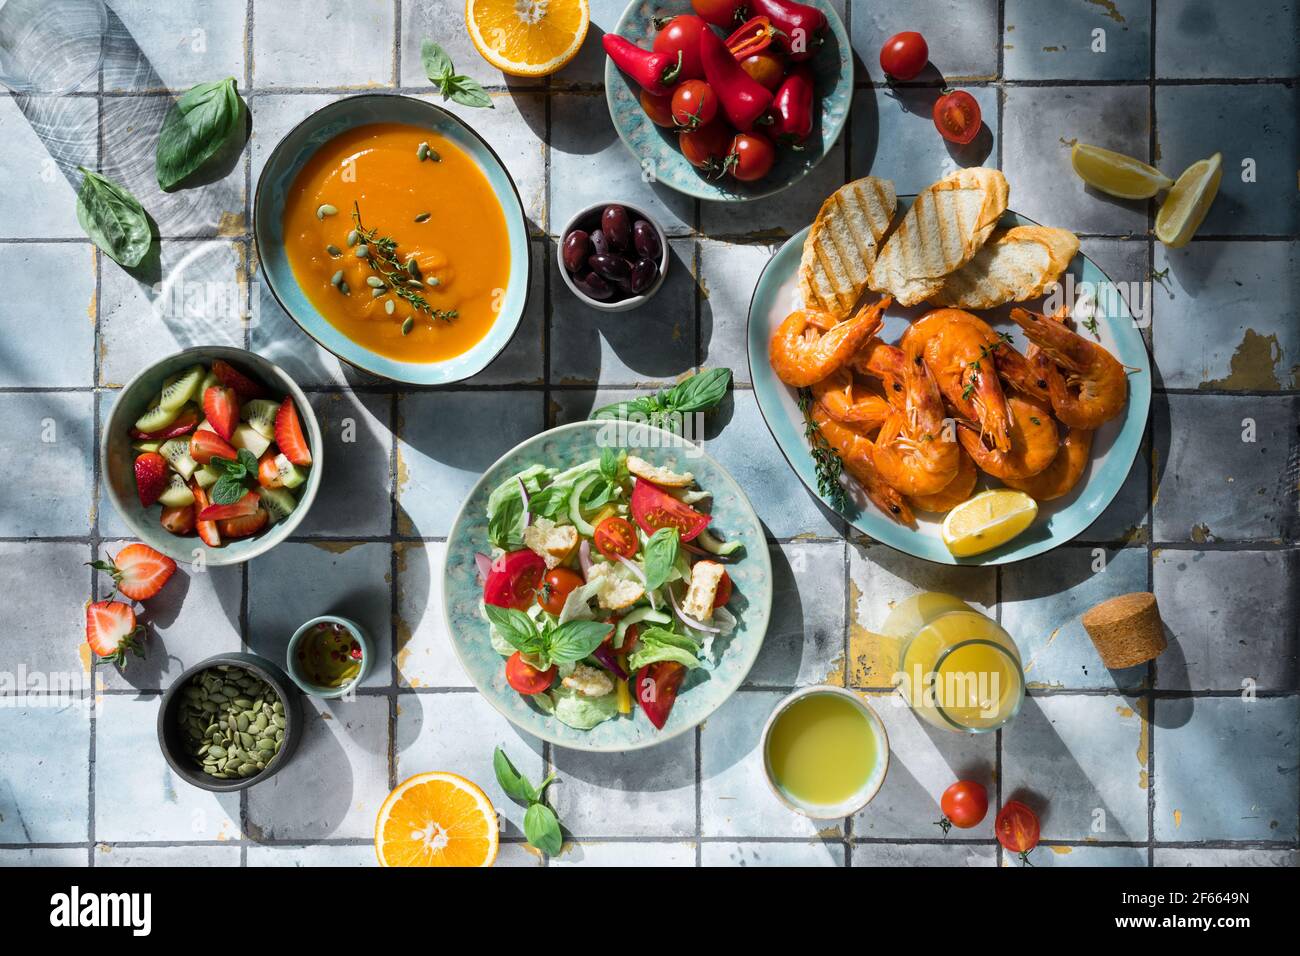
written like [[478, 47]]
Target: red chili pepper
[[742, 97], [799, 26], [754, 36], [793, 107], [656, 72]]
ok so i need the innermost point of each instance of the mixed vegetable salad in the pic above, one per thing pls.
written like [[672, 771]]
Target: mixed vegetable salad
[[604, 583]]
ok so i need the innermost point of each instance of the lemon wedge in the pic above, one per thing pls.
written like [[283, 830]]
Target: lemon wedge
[[1184, 209], [1117, 174], [989, 520]]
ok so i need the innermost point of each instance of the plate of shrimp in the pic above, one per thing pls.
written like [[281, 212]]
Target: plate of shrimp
[[924, 407]]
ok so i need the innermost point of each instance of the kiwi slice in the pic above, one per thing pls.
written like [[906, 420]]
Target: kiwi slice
[[207, 475], [156, 418], [246, 436], [260, 413], [145, 446], [177, 493], [180, 388], [291, 476], [177, 453], [208, 381], [278, 503]]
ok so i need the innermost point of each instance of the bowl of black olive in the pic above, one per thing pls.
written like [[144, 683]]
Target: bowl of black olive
[[613, 256]]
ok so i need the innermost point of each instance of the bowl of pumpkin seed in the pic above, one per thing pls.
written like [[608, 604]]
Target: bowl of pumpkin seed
[[229, 722]]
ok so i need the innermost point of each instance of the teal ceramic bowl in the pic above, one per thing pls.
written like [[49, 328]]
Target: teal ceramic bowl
[[1115, 445], [656, 148], [705, 687], [288, 159], [299, 677], [117, 457]]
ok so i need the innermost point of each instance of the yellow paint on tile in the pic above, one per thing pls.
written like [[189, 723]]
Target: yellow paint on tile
[[1142, 707], [1253, 366], [874, 656], [1062, 850], [1034, 659], [1201, 533], [1053, 49], [1124, 711], [231, 224], [1178, 819], [84, 653], [835, 676], [1108, 7], [830, 833], [335, 547]]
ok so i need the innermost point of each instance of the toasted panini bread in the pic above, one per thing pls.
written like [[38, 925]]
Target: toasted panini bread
[[942, 231], [843, 242], [1015, 265]]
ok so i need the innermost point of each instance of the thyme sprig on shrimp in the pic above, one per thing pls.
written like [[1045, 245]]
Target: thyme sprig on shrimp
[[403, 278]]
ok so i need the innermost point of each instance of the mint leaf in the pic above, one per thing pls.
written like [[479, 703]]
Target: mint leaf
[[227, 490], [248, 460]]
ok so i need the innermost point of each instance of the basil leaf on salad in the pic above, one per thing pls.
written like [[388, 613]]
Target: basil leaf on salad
[[516, 628], [506, 524], [551, 501], [660, 557], [542, 829], [571, 642], [695, 393], [113, 219], [196, 127]]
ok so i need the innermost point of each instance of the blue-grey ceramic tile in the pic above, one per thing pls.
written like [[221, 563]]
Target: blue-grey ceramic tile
[[137, 796], [337, 779], [189, 856], [44, 793], [323, 43], [1251, 746], [1197, 856], [44, 856], [894, 137], [312, 855], [626, 854], [152, 46], [796, 208], [523, 361], [274, 115], [588, 67], [963, 42], [924, 854], [1077, 40], [1227, 313], [1202, 38], [459, 733], [1127, 264], [1039, 127], [645, 793], [1126, 518], [58, 349], [46, 584], [574, 405], [277, 337], [297, 581], [1081, 764], [46, 463], [425, 657], [727, 276], [812, 853], [1230, 617], [804, 643], [654, 343], [1244, 122], [1042, 601], [1214, 481], [446, 441], [46, 139], [111, 524], [1055, 856], [354, 490], [590, 164]]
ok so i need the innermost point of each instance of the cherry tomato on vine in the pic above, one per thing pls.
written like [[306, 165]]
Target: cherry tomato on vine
[[694, 104], [658, 108], [957, 116], [751, 157], [706, 148], [1016, 827], [556, 587], [904, 55], [964, 805]]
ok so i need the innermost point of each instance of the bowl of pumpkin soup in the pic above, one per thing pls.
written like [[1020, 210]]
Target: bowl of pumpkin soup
[[394, 236]]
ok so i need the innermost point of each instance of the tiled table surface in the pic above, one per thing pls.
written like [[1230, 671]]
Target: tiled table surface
[[1159, 765]]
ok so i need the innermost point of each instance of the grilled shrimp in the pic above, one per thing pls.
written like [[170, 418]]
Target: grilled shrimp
[[1023, 373], [846, 400], [1087, 384], [808, 346], [955, 492], [1058, 478], [854, 448], [880, 360], [912, 452], [1033, 437]]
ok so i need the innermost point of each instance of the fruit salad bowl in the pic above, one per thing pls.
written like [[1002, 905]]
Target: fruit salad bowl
[[291, 492]]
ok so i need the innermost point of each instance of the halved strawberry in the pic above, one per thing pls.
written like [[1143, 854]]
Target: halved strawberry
[[268, 475], [221, 405], [245, 525], [179, 520], [232, 377], [111, 631], [138, 571], [205, 445], [207, 529], [150, 477], [244, 506], [183, 424], [288, 434]]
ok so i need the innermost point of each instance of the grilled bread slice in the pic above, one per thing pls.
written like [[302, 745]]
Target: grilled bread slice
[[1015, 265], [843, 242], [942, 231]]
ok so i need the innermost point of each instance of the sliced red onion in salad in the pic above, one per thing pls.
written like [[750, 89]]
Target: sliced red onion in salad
[[636, 569], [688, 620], [605, 655], [484, 565], [584, 557]]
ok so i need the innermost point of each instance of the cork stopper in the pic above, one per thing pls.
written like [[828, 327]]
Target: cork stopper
[[1126, 629]]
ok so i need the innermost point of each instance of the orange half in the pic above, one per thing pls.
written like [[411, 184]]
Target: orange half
[[436, 819], [527, 37]]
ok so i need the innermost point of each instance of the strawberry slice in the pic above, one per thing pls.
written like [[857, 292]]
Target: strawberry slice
[[111, 631], [288, 434], [221, 405], [232, 377], [138, 571], [205, 445], [179, 520], [245, 525], [244, 506], [150, 477], [207, 529], [268, 475], [183, 424]]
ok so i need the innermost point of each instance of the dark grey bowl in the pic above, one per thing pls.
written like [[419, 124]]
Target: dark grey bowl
[[169, 734]]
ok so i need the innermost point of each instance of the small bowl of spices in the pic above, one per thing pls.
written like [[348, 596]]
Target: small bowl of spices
[[328, 656]]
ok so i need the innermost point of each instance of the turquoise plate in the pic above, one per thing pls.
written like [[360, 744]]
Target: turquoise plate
[[293, 152], [1114, 446], [656, 149], [705, 687]]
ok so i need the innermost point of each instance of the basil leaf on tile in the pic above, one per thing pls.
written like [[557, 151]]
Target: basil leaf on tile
[[514, 783], [197, 126], [113, 219], [542, 829], [454, 86]]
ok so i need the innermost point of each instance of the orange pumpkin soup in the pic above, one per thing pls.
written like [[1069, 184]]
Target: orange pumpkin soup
[[364, 207]]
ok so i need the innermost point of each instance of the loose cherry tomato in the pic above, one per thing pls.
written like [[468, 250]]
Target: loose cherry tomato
[[706, 148], [513, 579], [556, 587], [656, 689], [526, 678], [658, 108], [653, 508], [615, 536], [723, 594], [957, 116], [751, 157], [767, 67], [721, 13], [1016, 827], [682, 33], [964, 805], [904, 55], [694, 104]]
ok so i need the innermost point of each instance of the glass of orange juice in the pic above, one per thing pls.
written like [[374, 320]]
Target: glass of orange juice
[[958, 669]]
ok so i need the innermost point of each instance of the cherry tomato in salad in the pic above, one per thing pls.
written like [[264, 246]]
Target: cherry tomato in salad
[[694, 104], [656, 689], [1016, 827], [706, 148], [767, 67], [964, 805], [513, 579], [957, 116], [653, 508], [615, 536], [723, 594], [658, 108], [721, 13], [557, 584], [629, 639], [525, 678], [751, 157], [682, 33], [904, 55]]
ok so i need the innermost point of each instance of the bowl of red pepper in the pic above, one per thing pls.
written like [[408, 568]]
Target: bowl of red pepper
[[728, 100]]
